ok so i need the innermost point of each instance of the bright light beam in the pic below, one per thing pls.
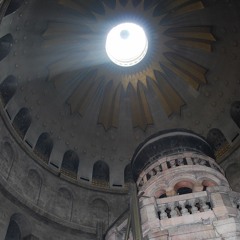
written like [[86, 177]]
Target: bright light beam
[[126, 44]]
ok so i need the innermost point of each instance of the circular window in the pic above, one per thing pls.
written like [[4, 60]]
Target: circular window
[[126, 44]]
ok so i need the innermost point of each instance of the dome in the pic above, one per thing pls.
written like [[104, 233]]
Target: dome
[[71, 118]]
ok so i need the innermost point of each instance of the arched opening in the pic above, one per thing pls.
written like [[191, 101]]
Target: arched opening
[[184, 190], [44, 147], [160, 193], [235, 112], [208, 183], [13, 6], [70, 164], [8, 88], [183, 187], [5, 45], [18, 228], [100, 174], [218, 142], [13, 231], [128, 174], [22, 122], [164, 195]]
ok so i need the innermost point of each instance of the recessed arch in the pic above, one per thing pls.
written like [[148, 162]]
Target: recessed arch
[[235, 112], [44, 146], [218, 141], [210, 180], [19, 227], [128, 174], [100, 173], [5, 45], [208, 183], [22, 121], [70, 164], [160, 193], [184, 187], [13, 231], [8, 88]]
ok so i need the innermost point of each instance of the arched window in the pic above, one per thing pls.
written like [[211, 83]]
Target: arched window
[[183, 187], [128, 174], [208, 183], [8, 88], [13, 6], [13, 231], [70, 164], [100, 174], [44, 147], [184, 190], [218, 142], [22, 122], [235, 112], [5, 45]]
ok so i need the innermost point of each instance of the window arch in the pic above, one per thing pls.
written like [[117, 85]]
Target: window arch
[[5, 45], [235, 112], [44, 147], [183, 187], [218, 142], [18, 228], [13, 231], [70, 164], [8, 88], [22, 121], [100, 174], [13, 6], [128, 174]]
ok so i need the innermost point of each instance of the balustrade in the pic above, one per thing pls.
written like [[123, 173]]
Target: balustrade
[[183, 205]]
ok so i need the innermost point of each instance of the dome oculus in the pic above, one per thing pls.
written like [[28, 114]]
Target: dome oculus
[[126, 44]]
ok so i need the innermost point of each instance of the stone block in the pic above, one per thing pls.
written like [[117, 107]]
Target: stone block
[[230, 226]]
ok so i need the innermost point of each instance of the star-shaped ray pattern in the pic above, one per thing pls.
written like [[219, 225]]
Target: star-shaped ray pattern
[[83, 68]]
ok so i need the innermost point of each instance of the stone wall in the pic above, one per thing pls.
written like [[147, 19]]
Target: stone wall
[[69, 211]]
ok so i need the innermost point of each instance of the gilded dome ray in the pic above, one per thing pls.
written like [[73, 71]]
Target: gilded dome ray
[[83, 50]]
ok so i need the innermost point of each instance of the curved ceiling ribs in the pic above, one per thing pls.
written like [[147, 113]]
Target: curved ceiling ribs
[[83, 69]]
